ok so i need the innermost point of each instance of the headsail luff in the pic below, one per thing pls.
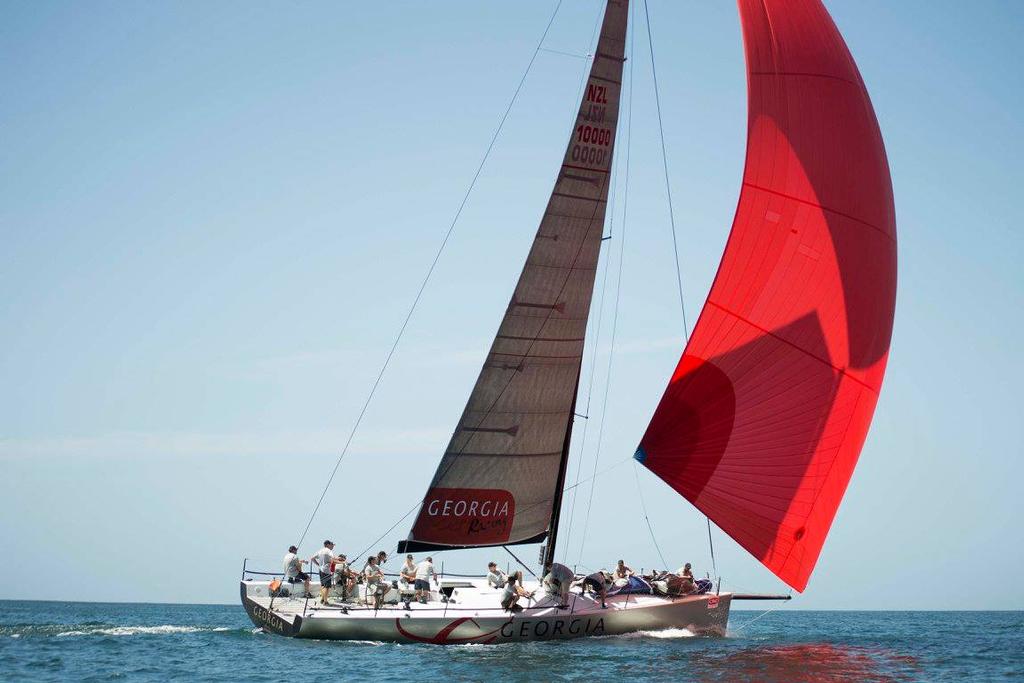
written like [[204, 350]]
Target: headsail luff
[[764, 418], [497, 481]]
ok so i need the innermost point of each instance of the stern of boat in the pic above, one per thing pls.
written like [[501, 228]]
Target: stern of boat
[[261, 611]]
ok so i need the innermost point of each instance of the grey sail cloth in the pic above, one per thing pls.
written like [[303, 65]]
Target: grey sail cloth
[[497, 481]]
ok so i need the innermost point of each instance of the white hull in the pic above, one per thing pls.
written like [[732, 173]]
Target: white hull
[[475, 616]]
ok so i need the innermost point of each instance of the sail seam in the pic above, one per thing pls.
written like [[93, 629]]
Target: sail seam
[[841, 371], [579, 196], [586, 168], [508, 455], [823, 208], [805, 74]]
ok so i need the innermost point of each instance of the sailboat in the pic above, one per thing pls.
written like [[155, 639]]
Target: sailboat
[[766, 412]]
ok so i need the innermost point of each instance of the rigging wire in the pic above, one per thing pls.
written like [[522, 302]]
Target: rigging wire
[[590, 388], [672, 222], [643, 508], [430, 271], [443, 469], [593, 357], [525, 566], [668, 186], [618, 296]]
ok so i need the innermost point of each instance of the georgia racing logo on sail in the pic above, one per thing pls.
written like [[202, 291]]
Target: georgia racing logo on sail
[[472, 516]]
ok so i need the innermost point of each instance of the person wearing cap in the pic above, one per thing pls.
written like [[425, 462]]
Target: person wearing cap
[[495, 577], [598, 583], [293, 569], [322, 560]]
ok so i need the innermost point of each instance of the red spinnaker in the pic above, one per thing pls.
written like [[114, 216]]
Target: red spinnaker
[[764, 417]]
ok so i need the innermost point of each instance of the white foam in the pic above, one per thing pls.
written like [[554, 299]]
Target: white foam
[[165, 629], [667, 633]]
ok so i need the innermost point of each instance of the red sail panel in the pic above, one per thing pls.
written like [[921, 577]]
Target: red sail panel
[[764, 418]]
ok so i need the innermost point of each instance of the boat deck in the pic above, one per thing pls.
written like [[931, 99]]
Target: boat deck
[[473, 614]]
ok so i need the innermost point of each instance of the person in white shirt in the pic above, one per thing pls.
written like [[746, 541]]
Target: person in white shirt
[[687, 585], [293, 569], [322, 560], [408, 571], [557, 580], [424, 572], [513, 591], [495, 577], [376, 585]]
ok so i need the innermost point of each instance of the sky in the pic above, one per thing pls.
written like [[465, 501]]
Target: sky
[[214, 218]]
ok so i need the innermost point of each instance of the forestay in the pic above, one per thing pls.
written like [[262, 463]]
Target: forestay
[[499, 478]]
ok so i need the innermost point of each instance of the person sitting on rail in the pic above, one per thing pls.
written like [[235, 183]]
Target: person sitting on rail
[[495, 577], [513, 591], [424, 572], [376, 585], [557, 580], [293, 570], [322, 560], [598, 584], [687, 585]]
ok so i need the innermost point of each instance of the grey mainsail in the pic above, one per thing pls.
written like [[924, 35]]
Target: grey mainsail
[[501, 475]]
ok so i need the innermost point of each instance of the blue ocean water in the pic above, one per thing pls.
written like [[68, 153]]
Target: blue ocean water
[[53, 641]]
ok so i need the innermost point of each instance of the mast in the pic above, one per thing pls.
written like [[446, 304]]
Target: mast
[[556, 511], [501, 477]]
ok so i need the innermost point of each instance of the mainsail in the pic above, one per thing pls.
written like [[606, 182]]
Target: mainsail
[[500, 479], [764, 417]]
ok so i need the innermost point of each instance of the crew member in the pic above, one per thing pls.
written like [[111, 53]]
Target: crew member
[[376, 585], [687, 585], [293, 569], [598, 583], [424, 572], [557, 579], [408, 572], [344, 577], [513, 591], [495, 577], [322, 561]]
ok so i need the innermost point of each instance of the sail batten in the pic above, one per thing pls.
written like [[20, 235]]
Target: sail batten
[[498, 481], [764, 418]]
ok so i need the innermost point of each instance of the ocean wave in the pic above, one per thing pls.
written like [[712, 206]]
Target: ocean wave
[[166, 629]]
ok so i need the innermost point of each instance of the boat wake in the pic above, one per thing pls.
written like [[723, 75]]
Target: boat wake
[[666, 634], [165, 629]]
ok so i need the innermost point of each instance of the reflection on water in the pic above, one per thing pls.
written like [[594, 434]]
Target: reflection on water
[[808, 662]]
